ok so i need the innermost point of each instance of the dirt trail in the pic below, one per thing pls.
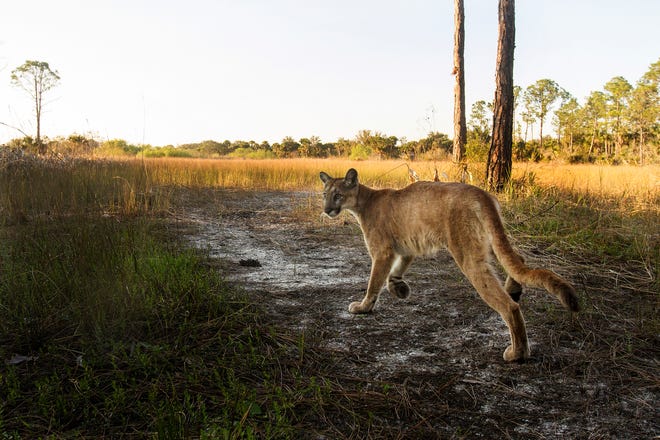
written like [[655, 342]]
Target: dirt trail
[[443, 344]]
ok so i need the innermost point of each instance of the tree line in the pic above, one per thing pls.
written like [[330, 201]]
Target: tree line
[[619, 123], [365, 145]]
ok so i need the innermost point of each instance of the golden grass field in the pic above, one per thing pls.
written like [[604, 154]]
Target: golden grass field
[[625, 189], [144, 185], [603, 180]]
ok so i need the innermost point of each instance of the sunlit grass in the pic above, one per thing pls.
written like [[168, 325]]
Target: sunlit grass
[[641, 183], [629, 186], [139, 186], [284, 174]]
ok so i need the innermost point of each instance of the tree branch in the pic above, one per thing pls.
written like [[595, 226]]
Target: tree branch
[[15, 128]]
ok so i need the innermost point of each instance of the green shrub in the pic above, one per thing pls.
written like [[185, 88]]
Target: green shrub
[[360, 152], [249, 153], [117, 147], [120, 330]]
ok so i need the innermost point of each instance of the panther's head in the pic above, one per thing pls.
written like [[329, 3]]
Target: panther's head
[[339, 193]]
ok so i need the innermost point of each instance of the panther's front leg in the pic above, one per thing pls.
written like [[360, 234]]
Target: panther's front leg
[[380, 269]]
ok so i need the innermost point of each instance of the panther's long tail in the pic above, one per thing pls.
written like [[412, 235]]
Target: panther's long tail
[[519, 271]]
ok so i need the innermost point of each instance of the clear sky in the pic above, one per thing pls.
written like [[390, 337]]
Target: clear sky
[[172, 72]]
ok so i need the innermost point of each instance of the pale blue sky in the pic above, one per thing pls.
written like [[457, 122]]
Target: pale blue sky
[[172, 72]]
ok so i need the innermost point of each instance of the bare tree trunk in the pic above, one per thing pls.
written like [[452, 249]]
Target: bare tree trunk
[[460, 130], [498, 167], [37, 110], [38, 140]]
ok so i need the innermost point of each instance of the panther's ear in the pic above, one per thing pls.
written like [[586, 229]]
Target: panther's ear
[[351, 178], [325, 177]]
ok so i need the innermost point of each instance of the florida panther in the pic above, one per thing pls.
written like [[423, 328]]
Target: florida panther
[[425, 217]]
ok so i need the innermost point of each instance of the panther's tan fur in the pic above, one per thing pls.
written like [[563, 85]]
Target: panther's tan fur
[[425, 217]]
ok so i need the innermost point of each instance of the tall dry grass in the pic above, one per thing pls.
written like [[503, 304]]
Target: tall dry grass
[[34, 186], [642, 183], [281, 174], [628, 186]]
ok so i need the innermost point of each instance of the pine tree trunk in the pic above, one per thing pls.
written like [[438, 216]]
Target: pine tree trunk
[[498, 167], [37, 102], [460, 130]]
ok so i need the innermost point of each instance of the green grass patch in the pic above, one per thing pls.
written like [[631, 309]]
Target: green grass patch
[[121, 333]]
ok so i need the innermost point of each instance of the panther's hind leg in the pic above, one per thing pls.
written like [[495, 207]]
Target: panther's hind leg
[[513, 287], [490, 290]]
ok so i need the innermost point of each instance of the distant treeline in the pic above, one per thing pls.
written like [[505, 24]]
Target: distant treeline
[[364, 146], [618, 124]]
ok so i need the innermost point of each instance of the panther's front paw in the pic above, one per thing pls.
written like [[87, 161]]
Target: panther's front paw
[[516, 356], [358, 307]]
